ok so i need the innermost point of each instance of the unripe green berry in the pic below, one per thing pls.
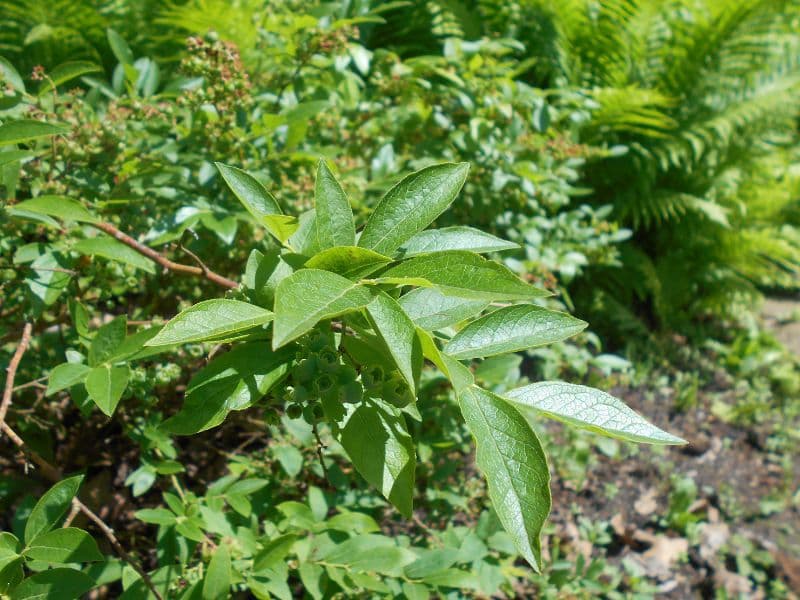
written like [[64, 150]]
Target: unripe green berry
[[324, 383], [294, 411], [351, 393]]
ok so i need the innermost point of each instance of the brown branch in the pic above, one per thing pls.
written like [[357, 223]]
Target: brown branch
[[166, 263], [11, 371], [53, 473]]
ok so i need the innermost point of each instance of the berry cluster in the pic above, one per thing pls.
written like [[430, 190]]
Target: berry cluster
[[323, 374]]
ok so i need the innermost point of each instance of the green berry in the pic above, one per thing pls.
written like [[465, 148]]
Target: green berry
[[324, 383], [294, 411], [305, 370], [351, 393]]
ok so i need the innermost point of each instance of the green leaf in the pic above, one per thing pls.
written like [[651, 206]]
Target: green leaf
[[155, 516], [512, 460], [119, 47], [112, 249], [11, 75], [11, 156], [334, 223], [64, 545], [210, 319], [54, 584], [48, 283], [460, 376], [307, 297], [25, 130], [432, 310], [281, 227], [60, 207], [454, 238], [217, 582], [11, 572], [348, 261], [233, 381], [67, 72], [412, 205], [253, 196], [432, 561], [370, 553], [512, 328], [464, 274], [304, 240], [375, 437], [66, 375], [274, 552], [51, 507], [108, 338], [105, 386], [399, 335], [590, 409]]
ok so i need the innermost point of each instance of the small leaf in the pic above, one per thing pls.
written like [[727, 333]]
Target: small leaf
[[111, 249], [512, 328], [281, 227], [217, 582], [53, 584], [370, 553], [460, 376], [210, 319], [155, 516], [108, 338], [375, 437], [66, 375], [11, 75], [253, 196], [465, 274], [67, 72], [60, 207], [233, 381], [399, 335], [590, 409], [412, 205], [64, 545], [11, 156], [105, 386], [512, 460], [348, 261], [25, 130], [432, 310], [307, 297], [51, 507], [454, 238], [274, 552], [334, 223], [119, 47]]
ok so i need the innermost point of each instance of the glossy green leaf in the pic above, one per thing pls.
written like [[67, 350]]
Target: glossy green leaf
[[432, 310], [253, 196], [217, 582], [370, 553], [399, 335], [54, 584], [274, 551], [111, 249], [66, 375], [512, 328], [307, 297], [64, 545], [60, 207], [11, 156], [281, 227], [11, 572], [211, 319], [67, 72], [465, 274], [53, 505], [454, 238], [460, 376], [375, 437], [590, 409], [232, 381], [155, 516], [334, 221], [512, 460], [49, 280], [412, 205], [348, 261], [105, 386], [108, 338], [26, 130], [119, 47]]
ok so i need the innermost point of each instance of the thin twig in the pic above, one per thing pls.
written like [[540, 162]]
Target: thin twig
[[166, 263], [320, 447], [52, 473], [12, 371]]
